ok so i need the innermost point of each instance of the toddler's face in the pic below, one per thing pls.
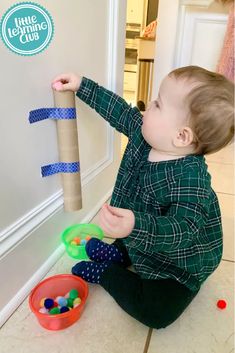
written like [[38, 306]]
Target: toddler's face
[[166, 115]]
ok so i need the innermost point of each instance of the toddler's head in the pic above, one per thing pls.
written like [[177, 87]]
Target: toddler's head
[[193, 114]]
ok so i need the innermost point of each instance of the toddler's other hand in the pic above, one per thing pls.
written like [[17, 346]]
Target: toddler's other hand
[[116, 222], [66, 82]]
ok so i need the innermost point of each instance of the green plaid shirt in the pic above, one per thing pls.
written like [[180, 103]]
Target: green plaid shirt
[[177, 232]]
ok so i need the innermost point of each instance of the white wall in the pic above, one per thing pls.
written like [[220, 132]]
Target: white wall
[[89, 39]]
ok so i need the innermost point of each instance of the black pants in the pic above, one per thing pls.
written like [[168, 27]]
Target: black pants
[[155, 303]]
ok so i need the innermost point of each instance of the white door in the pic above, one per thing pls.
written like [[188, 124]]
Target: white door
[[89, 39], [189, 32]]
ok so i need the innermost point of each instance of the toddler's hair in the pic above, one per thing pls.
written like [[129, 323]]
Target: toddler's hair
[[211, 108]]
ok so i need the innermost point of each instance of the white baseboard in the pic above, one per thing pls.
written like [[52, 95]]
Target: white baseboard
[[20, 296], [17, 231], [13, 304]]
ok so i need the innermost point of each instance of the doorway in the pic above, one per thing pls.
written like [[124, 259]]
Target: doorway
[[141, 20]]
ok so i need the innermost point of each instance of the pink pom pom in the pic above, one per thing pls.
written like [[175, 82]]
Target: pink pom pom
[[57, 86]]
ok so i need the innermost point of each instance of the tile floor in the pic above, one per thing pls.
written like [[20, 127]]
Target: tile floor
[[105, 328]]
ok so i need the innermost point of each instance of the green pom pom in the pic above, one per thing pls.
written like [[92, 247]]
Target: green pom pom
[[73, 294], [70, 302], [54, 311]]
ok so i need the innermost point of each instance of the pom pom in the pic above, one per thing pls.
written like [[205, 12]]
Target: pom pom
[[64, 309], [77, 301], [57, 86], [42, 301], [43, 310], [48, 303], [57, 299], [70, 302], [54, 311], [73, 294], [62, 301], [221, 304]]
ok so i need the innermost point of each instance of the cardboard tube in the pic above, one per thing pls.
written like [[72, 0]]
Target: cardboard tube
[[68, 151]]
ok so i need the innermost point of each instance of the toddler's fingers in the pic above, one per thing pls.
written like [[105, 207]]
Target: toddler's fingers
[[108, 222], [110, 208], [109, 216], [117, 211], [63, 78], [104, 219], [65, 87], [104, 225]]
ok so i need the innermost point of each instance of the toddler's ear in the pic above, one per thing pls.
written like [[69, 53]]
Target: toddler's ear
[[184, 137]]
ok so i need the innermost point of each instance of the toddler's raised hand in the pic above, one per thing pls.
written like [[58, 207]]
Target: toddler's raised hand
[[66, 82], [116, 222]]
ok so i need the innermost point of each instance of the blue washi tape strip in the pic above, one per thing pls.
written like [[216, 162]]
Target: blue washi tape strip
[[60, 167], [51, 113]]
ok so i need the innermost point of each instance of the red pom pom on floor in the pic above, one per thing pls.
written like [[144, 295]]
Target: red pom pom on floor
[[221, 304]]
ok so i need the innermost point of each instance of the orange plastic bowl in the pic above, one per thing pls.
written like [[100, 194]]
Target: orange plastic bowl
[[52, 287]]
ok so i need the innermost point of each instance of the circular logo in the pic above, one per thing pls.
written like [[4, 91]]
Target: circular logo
[[27, 28]]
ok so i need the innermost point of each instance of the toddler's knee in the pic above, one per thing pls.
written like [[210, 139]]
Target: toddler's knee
[[156, 322], [157, 318]]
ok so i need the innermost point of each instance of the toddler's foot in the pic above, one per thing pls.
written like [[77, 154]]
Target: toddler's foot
[[99, 251], [90, 271]]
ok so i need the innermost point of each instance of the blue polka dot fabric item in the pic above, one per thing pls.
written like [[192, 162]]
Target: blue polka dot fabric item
[[51, 113], [60, 167]]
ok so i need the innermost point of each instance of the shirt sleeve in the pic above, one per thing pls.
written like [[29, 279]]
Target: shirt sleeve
[[110, 106], [189, 200]]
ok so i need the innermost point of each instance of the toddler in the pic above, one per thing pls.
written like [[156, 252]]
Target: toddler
[[164, 214]]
